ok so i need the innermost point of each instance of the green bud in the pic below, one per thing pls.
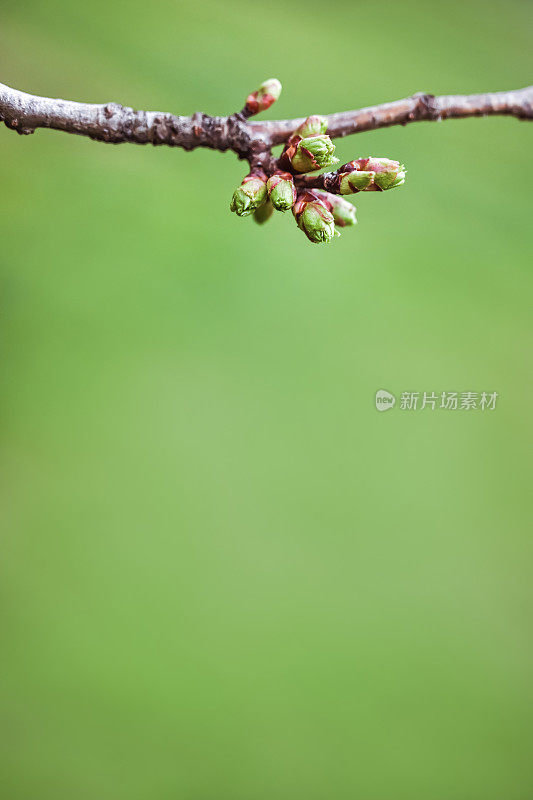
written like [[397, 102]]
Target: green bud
[[282, 191], [270, 87], [249, 195], [314, 218], [313, 152], [370, 174], [317, 223], [263, 213], [351, 182], [268, 93], [343, 211], [399, 180], [282, 196], [313, 125], [386, 172]]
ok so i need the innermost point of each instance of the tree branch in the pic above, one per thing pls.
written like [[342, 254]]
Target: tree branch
[[114, 123], [307, 148], [517, 103], [251, 140]]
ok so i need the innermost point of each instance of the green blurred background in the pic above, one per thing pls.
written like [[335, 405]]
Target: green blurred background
[[224, 575]]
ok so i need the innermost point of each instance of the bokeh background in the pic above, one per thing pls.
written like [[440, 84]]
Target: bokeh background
[[224, 574]]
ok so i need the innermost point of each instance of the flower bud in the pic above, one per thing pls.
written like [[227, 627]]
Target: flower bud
[[343, 211], [312, 126], [268, 93], [371, 174], [314, 219], [263, 213], [388, 173], [350, 182], [313, 152], [282, 191], [249, 195]]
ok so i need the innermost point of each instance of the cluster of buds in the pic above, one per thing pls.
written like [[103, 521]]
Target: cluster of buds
[[317, 212]]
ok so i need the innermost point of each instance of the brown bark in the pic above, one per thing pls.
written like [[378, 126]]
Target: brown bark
[[114, 123]]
